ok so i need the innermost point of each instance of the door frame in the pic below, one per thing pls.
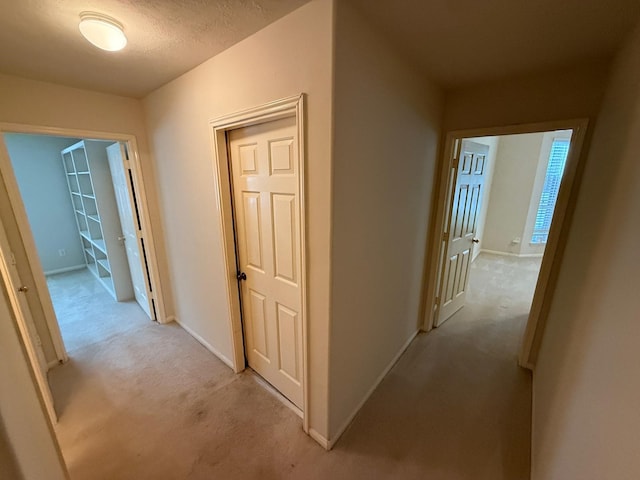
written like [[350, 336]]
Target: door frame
[[558, 233], [19, 211], [284, 108]]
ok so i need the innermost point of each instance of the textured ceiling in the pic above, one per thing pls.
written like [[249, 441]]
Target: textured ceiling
[[455, 42], [40, 39], [459, 42]]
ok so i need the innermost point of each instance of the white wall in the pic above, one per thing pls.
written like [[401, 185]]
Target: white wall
[[387, 125], [289, 57], [586, 420], [558, 95], [32, 441], [494, 144], [518, 179], [43, 186], [511, 192]]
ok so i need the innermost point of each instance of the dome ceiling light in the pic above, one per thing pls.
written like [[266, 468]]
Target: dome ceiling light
[[102, 31]]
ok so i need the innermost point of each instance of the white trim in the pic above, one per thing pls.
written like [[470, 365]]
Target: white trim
[[319, 438], [509, 254], [284, 108], [204, 343], [375, 385], [65, 269]]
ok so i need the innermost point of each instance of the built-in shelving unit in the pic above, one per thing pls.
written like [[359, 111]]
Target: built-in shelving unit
[[93, 200]]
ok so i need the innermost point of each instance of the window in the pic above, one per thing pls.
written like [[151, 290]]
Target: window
[[555, 168]]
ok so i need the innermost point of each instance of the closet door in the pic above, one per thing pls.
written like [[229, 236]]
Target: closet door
[[124, 200]]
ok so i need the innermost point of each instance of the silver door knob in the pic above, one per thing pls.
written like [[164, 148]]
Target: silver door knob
[[23, 289], [476, 240]]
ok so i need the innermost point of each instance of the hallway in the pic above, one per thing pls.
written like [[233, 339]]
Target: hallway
[[147, 401]]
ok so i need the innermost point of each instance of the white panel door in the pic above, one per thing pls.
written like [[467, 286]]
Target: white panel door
[[461, 231], [125, 202], [17, 291], [266, 199]]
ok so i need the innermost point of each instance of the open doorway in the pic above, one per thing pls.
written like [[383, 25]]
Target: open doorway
[[501, 215], [75, 246]]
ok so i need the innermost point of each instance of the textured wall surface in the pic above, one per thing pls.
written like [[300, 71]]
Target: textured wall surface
[[43, 186]]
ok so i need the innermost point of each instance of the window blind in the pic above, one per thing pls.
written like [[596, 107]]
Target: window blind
[[555, 168]]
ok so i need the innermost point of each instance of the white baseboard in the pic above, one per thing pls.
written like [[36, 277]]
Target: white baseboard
[[384, 373], [66, 269], [324, 443], [509, 254], [204, 343]]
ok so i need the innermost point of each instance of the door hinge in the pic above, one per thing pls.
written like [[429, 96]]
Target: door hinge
[[12, 257], [445, 237]]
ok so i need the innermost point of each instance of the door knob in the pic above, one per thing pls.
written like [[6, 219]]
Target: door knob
[[122, 238], [242, 276], [23, 289], [476, 240]]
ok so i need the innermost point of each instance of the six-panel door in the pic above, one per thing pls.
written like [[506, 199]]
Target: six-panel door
[[462, 228], [266, 200]]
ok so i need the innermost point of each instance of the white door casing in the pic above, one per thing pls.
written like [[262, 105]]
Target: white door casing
[[131, 234], [266, 199], [461, 229], [17, 291]]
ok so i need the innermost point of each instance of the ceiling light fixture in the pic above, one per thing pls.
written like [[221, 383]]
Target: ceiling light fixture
[[102, 31]]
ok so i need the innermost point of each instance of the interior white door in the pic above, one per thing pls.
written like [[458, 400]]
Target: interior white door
[[461, 229], [266, 196], [130, 234], [17, 292]]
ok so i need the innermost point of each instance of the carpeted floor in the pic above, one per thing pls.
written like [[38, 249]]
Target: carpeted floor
[[142, 401]]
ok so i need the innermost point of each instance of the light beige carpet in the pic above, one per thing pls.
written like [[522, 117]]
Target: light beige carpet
[[144, 401]]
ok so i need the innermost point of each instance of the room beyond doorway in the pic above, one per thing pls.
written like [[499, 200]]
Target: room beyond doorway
[[54, 191], [80, 208], [506, 194], [86, 313]]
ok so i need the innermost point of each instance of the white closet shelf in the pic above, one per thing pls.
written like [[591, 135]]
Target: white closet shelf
[[104, 264], [99, 243], [90, 184]]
